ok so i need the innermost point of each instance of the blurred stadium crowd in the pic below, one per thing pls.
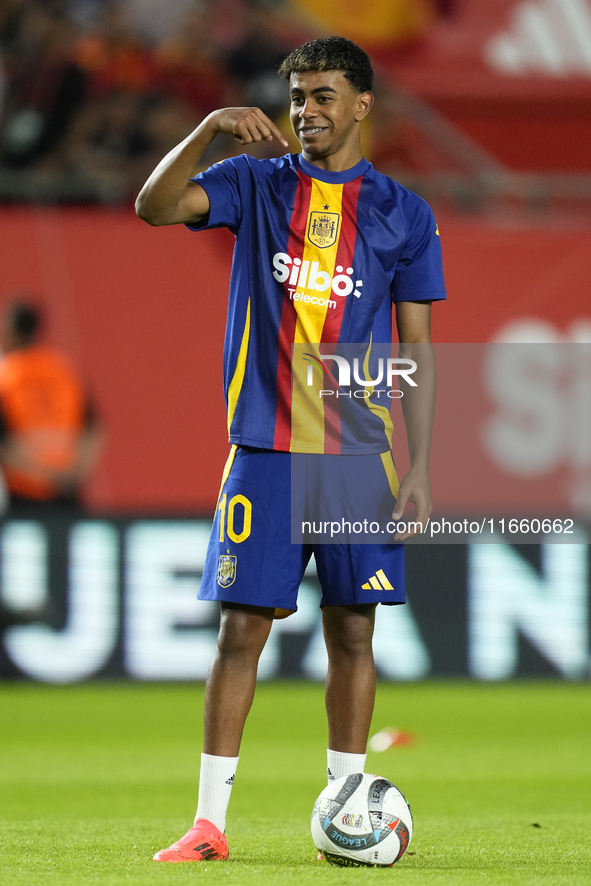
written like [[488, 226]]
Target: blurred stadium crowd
[[94, 92]]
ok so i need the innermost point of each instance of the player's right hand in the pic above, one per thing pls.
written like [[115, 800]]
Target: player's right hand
[[247, 125]]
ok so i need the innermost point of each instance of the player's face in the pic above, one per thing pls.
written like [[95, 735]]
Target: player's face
[[325, 113]]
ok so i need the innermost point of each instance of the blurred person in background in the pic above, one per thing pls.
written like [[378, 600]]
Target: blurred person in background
[[165, 120], [109, 135], [254, 61], [44, 85], [156, 21], [50, 437], [10, 13], [117, 139], [113, 55], [103, 140]]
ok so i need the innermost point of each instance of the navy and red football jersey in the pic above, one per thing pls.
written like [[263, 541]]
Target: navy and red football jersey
[[318, 260]]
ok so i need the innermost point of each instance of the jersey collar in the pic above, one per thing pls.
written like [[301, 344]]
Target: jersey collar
[[333, 178]]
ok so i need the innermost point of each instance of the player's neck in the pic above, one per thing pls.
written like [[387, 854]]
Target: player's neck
[[340, 161]]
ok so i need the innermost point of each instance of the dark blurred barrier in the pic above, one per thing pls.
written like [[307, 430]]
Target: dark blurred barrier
[[113, 598]]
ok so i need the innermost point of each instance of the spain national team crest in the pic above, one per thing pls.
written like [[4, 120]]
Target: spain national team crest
[[323, 228], [227, 570]]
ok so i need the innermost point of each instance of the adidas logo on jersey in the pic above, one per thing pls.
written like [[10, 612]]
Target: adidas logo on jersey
[[307, 275], [378, 582], [552, 36]]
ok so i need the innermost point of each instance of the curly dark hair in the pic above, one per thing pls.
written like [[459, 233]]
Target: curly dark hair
[[331, 54]]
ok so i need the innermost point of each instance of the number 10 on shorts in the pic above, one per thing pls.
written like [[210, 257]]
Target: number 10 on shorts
[[230, 507]]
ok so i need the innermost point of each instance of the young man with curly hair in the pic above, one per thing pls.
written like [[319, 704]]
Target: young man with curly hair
[[324, 246]]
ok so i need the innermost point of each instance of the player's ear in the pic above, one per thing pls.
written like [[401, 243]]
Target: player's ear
[[364, 105]]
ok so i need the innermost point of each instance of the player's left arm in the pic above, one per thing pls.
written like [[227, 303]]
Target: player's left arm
[[413, 321]]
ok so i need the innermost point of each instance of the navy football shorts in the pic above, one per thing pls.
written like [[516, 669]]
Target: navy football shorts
[[251, 558]]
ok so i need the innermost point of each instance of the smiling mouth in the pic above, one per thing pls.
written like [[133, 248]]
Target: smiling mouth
[[313, 130]]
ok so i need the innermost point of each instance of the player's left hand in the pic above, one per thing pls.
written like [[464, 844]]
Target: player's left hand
[[415, 488]]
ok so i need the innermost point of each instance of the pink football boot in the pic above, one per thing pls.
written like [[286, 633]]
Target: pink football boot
[[204, 842]]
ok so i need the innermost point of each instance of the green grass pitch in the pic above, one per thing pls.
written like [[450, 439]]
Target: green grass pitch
[[95, 778]]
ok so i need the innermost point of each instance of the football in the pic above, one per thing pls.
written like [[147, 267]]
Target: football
[[362, 820]]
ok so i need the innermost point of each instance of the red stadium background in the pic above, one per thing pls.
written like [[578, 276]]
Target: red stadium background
[[501, 97], [485, 109], [142, 311]]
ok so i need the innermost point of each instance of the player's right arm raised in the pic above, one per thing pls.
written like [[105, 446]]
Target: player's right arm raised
[[169, 197]]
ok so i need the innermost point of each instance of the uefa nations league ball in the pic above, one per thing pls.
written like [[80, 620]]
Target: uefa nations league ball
[[362, 820]]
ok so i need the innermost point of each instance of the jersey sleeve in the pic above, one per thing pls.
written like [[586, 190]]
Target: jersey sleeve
[[225, 186], [419, 270]]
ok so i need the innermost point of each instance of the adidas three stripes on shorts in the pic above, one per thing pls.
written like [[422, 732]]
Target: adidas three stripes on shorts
[[251, 558]]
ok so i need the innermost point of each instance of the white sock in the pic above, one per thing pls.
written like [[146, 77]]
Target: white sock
[[215, 786], [339, 764]]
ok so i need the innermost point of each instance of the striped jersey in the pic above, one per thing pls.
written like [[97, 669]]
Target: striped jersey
[[319, 258]]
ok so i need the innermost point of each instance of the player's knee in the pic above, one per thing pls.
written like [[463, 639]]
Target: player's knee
[[235, 649], [349, 647], [349, 638], [241, 635]]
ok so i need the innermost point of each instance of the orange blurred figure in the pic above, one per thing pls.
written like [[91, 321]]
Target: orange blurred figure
[[50, 438]]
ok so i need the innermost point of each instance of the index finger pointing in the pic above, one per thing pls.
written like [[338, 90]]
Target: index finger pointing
[[279, 135], [275, 131]]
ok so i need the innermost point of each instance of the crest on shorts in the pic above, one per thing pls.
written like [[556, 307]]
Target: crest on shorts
[[323, 228], [227, 570]]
